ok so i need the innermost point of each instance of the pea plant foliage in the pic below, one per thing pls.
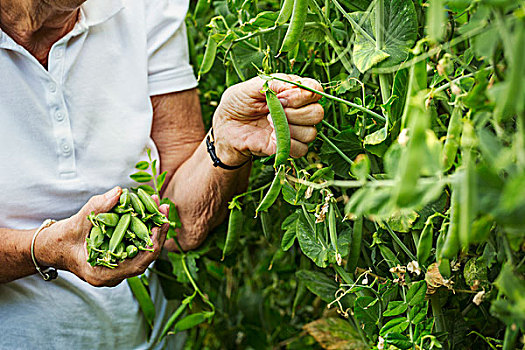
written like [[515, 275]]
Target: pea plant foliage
[[403, 226]]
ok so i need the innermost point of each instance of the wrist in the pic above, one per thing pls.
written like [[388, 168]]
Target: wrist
[[48, 247], [226, 152]]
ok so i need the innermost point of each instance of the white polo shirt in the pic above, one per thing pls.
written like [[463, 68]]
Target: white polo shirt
[[73, 131]]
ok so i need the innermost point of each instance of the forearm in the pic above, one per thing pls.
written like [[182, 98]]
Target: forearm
[[201, 193], [15, 253]]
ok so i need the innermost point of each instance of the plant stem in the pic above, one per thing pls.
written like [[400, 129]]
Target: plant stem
[[327, 140], [330, 126], [511, 335], [437, 312], [399, 242], [262, 188]]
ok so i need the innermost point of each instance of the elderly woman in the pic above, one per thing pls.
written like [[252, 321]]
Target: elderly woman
[[85, 88]]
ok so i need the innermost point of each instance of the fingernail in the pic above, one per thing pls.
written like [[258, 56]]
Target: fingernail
[[284, 102], [112, 193]]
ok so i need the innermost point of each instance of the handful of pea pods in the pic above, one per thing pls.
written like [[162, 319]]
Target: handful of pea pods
[[125, 230]]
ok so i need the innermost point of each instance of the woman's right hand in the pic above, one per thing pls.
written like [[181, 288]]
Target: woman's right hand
[[63, 245]]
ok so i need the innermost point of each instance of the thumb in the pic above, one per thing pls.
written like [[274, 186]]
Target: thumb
[[102, 203]]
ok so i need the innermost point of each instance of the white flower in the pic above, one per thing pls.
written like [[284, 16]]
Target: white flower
[[403, 137], [381, 343], [478, 298], [413, 267]]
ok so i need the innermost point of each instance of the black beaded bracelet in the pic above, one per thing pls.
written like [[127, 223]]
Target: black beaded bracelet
[[210, 146]]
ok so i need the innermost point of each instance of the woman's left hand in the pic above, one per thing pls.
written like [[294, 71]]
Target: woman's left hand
[[242, 124]]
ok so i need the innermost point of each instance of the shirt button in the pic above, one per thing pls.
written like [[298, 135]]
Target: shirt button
[[58, 53], [52, 87], [59, 116], [66, 149]]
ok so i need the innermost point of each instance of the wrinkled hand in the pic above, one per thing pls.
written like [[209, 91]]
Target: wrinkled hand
[[242, 124], [71, 249]]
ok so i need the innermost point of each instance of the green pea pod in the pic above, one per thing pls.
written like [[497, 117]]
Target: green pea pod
[[96, 236], [450, 148], [320, 173], [451, 245], [424, 245], [137, 205], [280, 124], [120, 231], [234, 230], [108, 219], [132, 251], [355, 245], [467, 185], [148, 202], [209, 56], [273, 192], [190, 321], [285, 13], [124, 198], [332, 229], [293, 34], [172, 319], [200, 8], [109, 232], [141, 294], [141, 230]]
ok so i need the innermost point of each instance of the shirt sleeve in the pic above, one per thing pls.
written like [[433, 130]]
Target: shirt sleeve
[[169, 69]]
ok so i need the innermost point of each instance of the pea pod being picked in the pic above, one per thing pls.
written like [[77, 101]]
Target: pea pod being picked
[[273, 192], [280, 125]]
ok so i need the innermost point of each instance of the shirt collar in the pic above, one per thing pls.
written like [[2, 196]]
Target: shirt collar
[[99, 11]]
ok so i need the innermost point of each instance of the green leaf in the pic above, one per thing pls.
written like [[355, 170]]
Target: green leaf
[[418, 313], [289, 226], [319, 284], [143, 165], [395, 308], [265, 19], [148, 189], [366, 311], [310, 244], [396, 325], [401, 221], [141, 176], [398, 340], [377, 137], [348, 142], [160, 180], [335, 333], [416, 293], [177, 265], [400, 29]]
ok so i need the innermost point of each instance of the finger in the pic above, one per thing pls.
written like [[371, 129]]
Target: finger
[[156, 199], [101, 203], [307, 115], [165, 209], [298, 149], [297, 97], [304, 134]]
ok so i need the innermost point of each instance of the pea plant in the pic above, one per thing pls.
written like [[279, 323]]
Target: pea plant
[[403, 226]]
